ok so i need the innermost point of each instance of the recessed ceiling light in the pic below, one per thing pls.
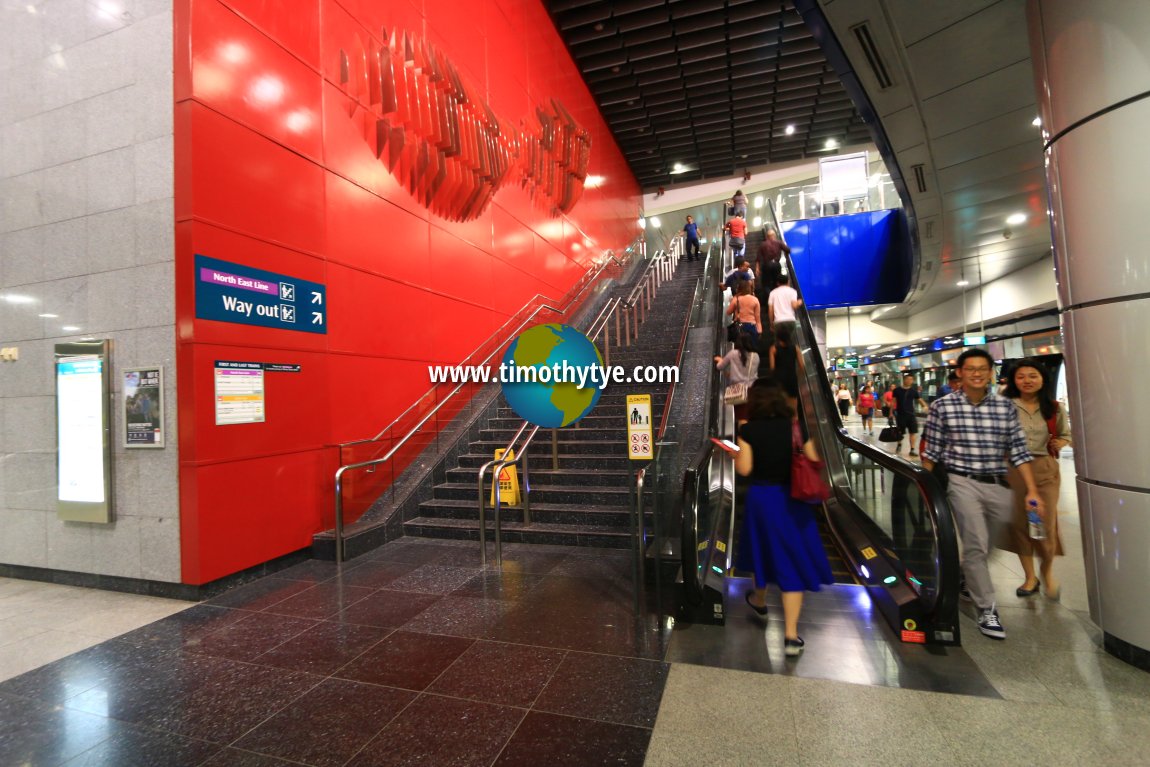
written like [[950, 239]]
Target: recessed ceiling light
[[962, 283], [1017, 218], [50, 316], [1036, 122], [831, 144], [790, 130], [925, 339]]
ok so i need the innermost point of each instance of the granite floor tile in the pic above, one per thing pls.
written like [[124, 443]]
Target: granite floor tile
[[606, 688], [530, 562], [376, 574], [234, 757], [415, 552], [254, 635], [184, 628], [436, 731], [461, 616], [313, 571], [495, 584], [110, 664], [606, 566], [562, 741], [38, 733], [324, 648], [260, 594], [135, 747], [321, 601], [407, 660], [328, 724], [495, 672], [388, 608], [433, 579]]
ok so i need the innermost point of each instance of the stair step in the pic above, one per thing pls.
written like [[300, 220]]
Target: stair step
[[505, 435], [604, 447], [584, 495], [599, 517], [514, 532], [541, 477]]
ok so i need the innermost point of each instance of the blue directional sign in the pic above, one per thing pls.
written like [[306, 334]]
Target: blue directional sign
[[229, 292]]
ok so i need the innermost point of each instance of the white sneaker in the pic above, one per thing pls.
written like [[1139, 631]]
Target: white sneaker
[[990, 625]]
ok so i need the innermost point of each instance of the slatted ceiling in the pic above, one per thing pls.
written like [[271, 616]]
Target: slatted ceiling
[[706, 83]]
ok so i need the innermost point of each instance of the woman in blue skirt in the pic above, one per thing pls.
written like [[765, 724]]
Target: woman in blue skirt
[[780, 542]]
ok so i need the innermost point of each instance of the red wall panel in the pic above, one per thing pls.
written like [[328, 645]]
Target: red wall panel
[[277, 169]]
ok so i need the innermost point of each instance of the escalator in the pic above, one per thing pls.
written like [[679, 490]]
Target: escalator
[[887, 521]]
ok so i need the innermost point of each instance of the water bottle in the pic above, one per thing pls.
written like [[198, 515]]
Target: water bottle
[[1036, 529]]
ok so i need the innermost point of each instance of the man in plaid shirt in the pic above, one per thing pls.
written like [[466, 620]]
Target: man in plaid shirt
[[971, 432]]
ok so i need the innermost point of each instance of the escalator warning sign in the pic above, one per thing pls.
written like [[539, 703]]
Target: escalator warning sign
[[917, 637], [869, 553], [640, 442]]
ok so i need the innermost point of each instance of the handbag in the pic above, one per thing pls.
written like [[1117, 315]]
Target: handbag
[[807, 483], [735, 394], [1052, 427], [735, 328], [890, 434]]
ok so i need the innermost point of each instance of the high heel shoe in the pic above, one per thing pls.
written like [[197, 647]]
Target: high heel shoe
[[1025, 592], [762, 611]]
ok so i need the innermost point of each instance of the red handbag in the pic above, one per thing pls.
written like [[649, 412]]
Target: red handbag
[[807, 483]]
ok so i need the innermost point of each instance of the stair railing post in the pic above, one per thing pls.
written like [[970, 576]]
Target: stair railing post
[[483, 516], [617, 325], [526, 484], [555, 449], [607, 342]]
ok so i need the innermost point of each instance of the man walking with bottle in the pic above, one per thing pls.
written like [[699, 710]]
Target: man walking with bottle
[[970, 432]]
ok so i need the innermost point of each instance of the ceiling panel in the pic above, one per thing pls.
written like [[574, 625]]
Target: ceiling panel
[[689, 80]]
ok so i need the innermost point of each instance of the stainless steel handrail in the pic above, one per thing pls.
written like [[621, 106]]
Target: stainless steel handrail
[[497, 468], [339, 523]]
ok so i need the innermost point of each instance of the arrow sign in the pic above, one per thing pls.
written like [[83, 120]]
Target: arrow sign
[[317, 318], [316, 298]]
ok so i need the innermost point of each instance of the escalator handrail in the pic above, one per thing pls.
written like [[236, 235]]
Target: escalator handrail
[[937, 507]]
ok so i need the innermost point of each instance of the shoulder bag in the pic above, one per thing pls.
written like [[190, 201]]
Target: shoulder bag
[[735, 394], [807, 483], [735, 328]]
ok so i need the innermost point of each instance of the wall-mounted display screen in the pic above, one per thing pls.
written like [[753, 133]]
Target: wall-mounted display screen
[[82, 432]]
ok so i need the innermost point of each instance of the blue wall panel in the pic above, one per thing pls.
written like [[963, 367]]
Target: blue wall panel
[[851, 260]]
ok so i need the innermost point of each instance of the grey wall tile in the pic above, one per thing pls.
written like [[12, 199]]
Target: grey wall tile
[[29, 481], [65, 251], [21, 146], [116, 548], [155, 231], [101, 64], [108, 120], [111, 180], [152, 108], [20, 92], [160, 549], [29, 424], [155, 164], [69, 545], [112, 240], [65, 129], [159, 486], [25, 538], [152, 48], [159, 281], [67, 298], [21, 35], [31, 375], [20, 253], [66, 25], [64, 191], [20, 202], [18, 322]]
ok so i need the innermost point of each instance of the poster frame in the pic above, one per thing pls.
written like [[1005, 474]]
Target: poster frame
[[160, 411]]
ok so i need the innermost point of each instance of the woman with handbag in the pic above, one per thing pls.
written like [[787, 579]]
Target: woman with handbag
[[1047, 432], [865, 409], [742, 366], [744, 309], [780, 542]]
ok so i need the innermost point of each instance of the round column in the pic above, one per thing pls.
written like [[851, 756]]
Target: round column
[[1092, 70]]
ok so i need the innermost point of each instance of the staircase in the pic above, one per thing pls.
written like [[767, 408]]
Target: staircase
[[586, 501]]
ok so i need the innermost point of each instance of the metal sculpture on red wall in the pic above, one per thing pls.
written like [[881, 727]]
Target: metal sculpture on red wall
[[428, 125]]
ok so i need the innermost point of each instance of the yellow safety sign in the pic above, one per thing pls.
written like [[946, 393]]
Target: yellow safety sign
[[508, 482], [640, 437]]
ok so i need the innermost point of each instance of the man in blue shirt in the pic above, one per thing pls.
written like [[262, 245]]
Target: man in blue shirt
[[972, 433], [691, 230], [742, 272]]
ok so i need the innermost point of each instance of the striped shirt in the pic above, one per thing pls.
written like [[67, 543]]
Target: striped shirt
[[974, 439]]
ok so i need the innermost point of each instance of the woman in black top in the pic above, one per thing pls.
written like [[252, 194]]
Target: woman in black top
[[780, 542]]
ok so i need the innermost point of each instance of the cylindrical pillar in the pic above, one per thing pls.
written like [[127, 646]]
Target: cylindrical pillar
[[1092, 69]]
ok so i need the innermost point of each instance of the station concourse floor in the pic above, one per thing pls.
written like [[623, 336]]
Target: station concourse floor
[[415, 656]]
